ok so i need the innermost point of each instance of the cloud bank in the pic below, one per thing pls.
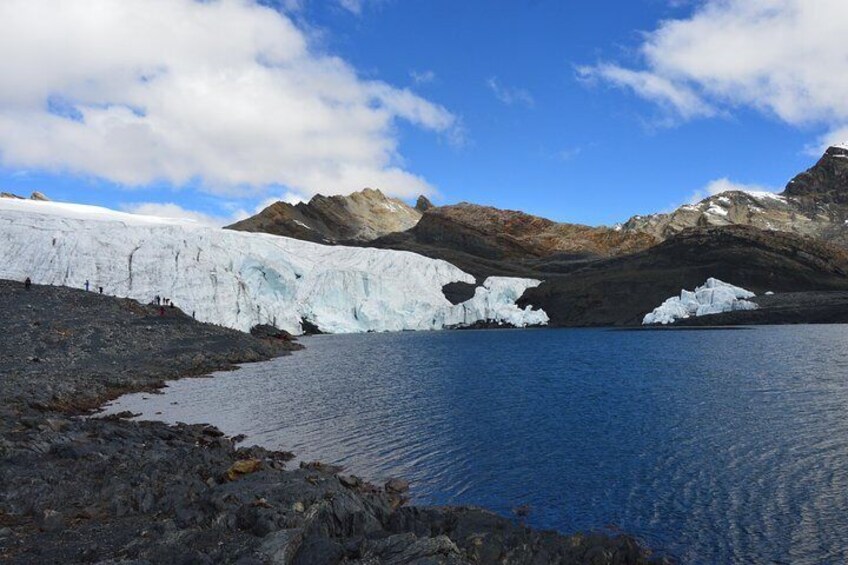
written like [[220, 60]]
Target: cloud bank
[[171, 210], [785, 58], [226, 94]]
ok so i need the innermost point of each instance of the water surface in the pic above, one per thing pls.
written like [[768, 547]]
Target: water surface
[[713, 446]]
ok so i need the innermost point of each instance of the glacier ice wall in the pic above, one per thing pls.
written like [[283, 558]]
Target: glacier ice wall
[[238, 279], [714, 297]]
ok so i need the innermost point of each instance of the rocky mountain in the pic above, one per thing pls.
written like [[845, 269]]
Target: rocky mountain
[[791, 243], [621, 290], [34, 196], [423, 204], [486, 239], [814, 204], [358, 217]]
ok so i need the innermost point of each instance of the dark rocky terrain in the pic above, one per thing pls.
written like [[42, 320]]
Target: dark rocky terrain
[[358, 217], [110, 490], [63, 346], [622, 290], [486, 241], [787, 308]]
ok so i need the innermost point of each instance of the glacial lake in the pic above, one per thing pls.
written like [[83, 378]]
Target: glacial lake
[[710, 446]]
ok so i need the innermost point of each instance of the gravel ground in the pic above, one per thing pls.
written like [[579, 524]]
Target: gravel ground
[[77, 489]]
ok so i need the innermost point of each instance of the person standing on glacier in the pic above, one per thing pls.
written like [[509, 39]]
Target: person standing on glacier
[[27, 283], [86, 285]]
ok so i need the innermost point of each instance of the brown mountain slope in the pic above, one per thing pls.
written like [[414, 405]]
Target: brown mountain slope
[[358, 217], [489, 240], [622, 290]]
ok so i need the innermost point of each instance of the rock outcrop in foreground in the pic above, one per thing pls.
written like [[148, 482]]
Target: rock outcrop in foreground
[[79, 489]]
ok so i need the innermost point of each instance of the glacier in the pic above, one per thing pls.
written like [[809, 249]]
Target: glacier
[[714, 297], [238, 280]]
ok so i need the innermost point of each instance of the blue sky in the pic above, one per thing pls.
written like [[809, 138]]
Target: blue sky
[[584, 112]]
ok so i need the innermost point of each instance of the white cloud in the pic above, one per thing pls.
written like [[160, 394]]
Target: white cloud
[[837, 136], [288, 197], [785, 58], [171, 210], [510, 95], [354, 6], [226, 92], [422, 77], [569, 153], [725, 185], [677, 98]]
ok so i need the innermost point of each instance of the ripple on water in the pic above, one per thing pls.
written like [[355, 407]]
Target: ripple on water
[[713, 446]]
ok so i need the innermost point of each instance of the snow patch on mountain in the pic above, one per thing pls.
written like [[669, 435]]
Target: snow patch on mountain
[[239, 279], [714, 297]]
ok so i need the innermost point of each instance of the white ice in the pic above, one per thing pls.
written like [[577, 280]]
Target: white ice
[[714, 297], [239, 279]]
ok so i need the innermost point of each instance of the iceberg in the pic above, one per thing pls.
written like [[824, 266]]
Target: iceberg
[[714, 297], [239, 279]]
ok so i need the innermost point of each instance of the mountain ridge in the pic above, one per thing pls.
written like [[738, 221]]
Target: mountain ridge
[[813, 204], [358, 217]]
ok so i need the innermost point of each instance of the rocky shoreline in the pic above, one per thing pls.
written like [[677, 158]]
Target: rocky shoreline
[[111, 490]]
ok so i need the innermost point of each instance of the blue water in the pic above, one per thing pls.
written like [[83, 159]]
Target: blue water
[[711, 446]]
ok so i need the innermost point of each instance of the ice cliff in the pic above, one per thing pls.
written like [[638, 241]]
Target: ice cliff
[[241, 279], [714, 297]]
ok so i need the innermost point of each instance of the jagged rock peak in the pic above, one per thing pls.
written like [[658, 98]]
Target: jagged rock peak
[[34, 196], [423, 204], [826, 181]]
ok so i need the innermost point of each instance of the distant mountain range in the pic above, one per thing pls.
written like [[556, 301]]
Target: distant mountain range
[[795, 241], [794, 244], [814, 204]]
